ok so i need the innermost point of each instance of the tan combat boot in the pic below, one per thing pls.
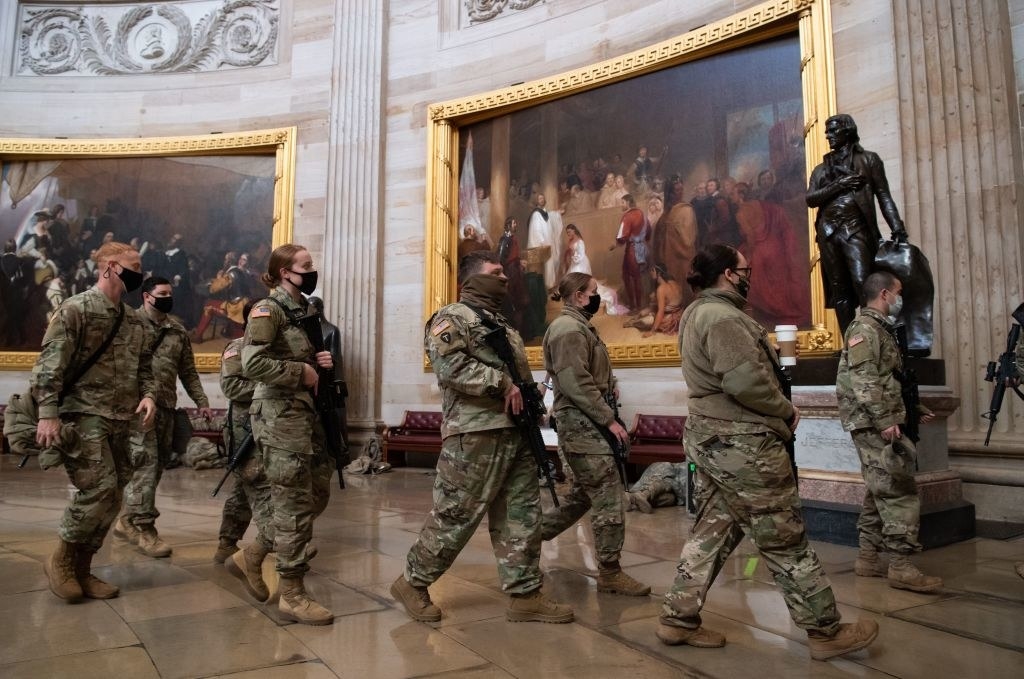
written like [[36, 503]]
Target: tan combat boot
[[867, 565], [225, 549], [247, 566], [60, 569], [416, 600], [850, 637], [905, 575], [672, 635], [92, 587], [535, 607], [612, 580], [126, 531], [298, 606], [638, 501], [150, 543]]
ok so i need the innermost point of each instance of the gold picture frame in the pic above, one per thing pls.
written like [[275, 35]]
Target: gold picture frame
[[278, 144], [806, 21]]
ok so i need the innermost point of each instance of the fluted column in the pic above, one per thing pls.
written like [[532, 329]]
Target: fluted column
[[962, 182], [351, 243]]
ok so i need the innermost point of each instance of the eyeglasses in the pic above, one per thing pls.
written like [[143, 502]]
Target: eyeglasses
[[744, 270]]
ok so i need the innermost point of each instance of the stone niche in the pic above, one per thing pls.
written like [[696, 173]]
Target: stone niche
[[831, 485]]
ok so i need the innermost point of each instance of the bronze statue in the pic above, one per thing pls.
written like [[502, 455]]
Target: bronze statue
[[844, 188]]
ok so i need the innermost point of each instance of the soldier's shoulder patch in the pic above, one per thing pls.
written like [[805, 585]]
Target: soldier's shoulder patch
[[855, 340], [261, 311], [446, 337], [440, 327], [230, 353]]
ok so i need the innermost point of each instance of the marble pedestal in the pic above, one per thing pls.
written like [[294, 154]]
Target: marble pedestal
[[831, 485]]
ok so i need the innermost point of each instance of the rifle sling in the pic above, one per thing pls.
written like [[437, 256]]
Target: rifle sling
[[91, 361]]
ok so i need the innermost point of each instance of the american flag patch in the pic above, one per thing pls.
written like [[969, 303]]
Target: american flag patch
[[260, 312], [440, 327], [231, 353], [854, 341]]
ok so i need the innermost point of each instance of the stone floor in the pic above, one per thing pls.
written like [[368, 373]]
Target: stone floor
[[187, 617]]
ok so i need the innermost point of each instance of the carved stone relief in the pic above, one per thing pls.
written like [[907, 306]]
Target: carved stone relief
[[485, 10], [178, 37]]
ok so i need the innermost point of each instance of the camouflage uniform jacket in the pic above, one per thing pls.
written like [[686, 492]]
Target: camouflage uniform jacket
[[866, 385], [274, 350], [728, 373], [236, 388], [120, 378], [1020, 358], [578, 360], [473, 380], [173, 358]]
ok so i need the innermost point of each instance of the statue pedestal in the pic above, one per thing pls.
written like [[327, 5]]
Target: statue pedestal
[[831, 485]]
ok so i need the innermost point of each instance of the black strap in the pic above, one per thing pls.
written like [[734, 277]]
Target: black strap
[[91, 361], [295, 316], [159, 339]]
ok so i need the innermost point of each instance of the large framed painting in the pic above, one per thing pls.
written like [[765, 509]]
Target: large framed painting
[[625, 168], [204, 212]]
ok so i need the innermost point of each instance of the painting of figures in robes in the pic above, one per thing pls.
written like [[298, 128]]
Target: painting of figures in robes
[[627, 182]]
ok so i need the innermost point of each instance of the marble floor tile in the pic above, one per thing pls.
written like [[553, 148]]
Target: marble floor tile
[[20, 573], [131, 661], [187, 617], [990, 620], [190, 598], [217, 642], [385, 645], [569, 650], [38, 625]]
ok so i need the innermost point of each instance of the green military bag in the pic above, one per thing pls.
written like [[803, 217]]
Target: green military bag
[[20, 423]]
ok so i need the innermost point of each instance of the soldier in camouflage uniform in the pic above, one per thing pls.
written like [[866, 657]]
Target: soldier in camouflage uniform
[[278, 356], [151, 446], [578, 362], [735, 432], [250, 495], [871, 408], [663, 484], [485, 467], [99, 407]]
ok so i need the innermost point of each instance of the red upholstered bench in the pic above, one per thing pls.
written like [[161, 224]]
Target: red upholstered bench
[[656, 438], [211, 431], [419, 432]]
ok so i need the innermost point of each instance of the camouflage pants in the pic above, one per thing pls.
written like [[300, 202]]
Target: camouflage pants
[[488, 472], [744, 482], [891, 515], [596, 487], [663, 483], [150, 451], [98, 467], [250, 498], [290, 441]]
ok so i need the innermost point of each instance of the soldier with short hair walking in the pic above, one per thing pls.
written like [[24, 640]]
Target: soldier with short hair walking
[[90, 417], [871, 408]]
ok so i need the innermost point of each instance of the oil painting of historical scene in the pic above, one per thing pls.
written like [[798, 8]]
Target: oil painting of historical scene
[[628, 180], [205, 223]]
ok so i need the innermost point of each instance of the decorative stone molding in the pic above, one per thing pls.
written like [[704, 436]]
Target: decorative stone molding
[[485, 10], [179, 37]]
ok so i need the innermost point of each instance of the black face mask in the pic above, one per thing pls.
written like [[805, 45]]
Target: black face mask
[[593, 304], [743, 287], [132, 279], [309, 280], [163, 304]]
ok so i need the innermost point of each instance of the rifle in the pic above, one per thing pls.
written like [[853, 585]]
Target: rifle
[[619, 452], [908, 388], [1006, 370], [330, 396], [786, 386], [239, 456], [528, 419]]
